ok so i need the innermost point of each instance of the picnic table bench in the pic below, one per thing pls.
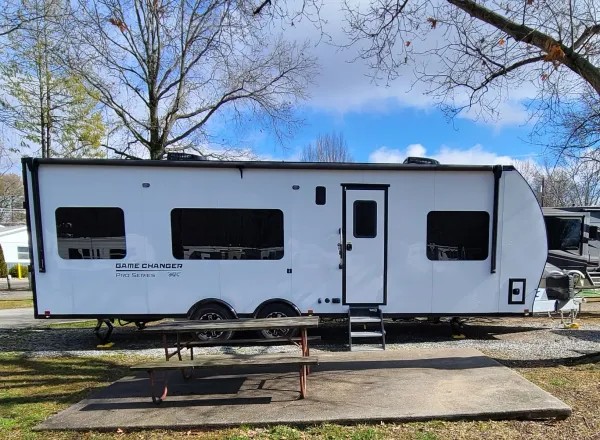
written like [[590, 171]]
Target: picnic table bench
[[179, 328]]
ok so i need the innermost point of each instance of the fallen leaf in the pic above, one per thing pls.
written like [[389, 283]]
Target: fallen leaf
[[433, 22], [407, 43], [501, 41]]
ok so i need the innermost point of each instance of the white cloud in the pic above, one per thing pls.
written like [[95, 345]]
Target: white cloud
[[476, 155], [345, 84], [394, 155]]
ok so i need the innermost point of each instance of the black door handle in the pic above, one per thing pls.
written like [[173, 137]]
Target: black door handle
[[348, 246]]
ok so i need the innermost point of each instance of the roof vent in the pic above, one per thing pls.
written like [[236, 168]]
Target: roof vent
[[184, 156], [420, 161]]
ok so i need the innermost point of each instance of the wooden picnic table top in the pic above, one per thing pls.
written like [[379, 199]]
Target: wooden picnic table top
[[235, 324]]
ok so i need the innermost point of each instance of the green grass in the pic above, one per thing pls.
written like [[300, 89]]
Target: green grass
[[34, 388], [15, 304], [558, 382], [589, 293], [75, 324], [425, 436]]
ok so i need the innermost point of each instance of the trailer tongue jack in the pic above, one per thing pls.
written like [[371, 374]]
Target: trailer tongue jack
[[104, 337]]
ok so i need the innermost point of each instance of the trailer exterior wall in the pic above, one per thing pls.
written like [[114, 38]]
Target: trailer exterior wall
[[309, 272]]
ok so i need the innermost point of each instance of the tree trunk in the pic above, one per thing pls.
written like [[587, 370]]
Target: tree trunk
[[156, 148], [41, 100], [49, 121]]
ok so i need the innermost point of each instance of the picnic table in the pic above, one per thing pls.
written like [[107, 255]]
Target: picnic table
[[181, 329]]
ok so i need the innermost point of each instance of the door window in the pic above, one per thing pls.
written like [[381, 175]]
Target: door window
[[365, 219]]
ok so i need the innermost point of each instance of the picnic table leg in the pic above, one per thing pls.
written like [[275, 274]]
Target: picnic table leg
[[166, 346], [179, 347], [304, 342], [305, 349], [157, 400], [303, 381]]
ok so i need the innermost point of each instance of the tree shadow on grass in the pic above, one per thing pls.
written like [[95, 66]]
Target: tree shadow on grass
[[585, 358], [53, 380]]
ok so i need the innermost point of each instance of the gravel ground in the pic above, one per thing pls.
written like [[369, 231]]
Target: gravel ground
[[521, 341]]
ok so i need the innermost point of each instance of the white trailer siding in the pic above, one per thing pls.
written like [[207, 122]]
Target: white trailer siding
[[523, 241], [416, 285]]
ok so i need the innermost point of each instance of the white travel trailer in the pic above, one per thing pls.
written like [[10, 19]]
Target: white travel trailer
[[142, 240]]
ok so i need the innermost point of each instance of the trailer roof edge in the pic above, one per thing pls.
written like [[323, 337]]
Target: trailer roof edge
[[265, 165]]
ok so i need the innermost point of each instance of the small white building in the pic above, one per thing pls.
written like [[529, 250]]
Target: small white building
[[15, 244]]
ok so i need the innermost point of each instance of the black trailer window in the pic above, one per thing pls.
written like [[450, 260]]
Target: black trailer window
[[90, 233], [365, 218], [458, 235], [564, 233], [227, 234], [320, 195]]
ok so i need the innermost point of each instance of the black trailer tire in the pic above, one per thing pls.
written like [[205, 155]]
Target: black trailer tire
[[277, 310], [212, 312]]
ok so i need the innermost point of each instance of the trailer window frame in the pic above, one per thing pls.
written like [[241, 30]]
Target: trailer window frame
[[102, 223], [458, 235], [254, 234]]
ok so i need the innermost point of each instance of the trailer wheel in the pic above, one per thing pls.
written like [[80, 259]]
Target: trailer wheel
[[277, 310], [212, 312]]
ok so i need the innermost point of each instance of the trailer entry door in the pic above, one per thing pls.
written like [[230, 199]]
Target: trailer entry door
[[364, 244]]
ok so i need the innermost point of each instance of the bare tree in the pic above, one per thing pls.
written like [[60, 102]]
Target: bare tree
[[571, 128], [572, 182], [330, 147], [11, 200], [480, 46], [167, 68], [14, 15]]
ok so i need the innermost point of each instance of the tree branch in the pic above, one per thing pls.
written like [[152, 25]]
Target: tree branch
[[260, 7], [587, 33], [122, 153], [574, 61]]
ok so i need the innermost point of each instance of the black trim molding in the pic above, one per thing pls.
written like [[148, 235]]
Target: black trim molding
[[240, 166], [497, 176], [28, 208]]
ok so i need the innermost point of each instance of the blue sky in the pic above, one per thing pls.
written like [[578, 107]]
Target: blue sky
[[377, 134], [387, 122]]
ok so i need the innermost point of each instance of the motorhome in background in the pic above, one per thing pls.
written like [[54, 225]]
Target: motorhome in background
[[574, 243], [143, 240]]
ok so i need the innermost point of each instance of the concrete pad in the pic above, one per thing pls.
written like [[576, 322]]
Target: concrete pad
[[402, 385]]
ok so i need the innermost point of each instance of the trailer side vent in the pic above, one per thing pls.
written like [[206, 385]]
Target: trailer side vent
[[320, 195]]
